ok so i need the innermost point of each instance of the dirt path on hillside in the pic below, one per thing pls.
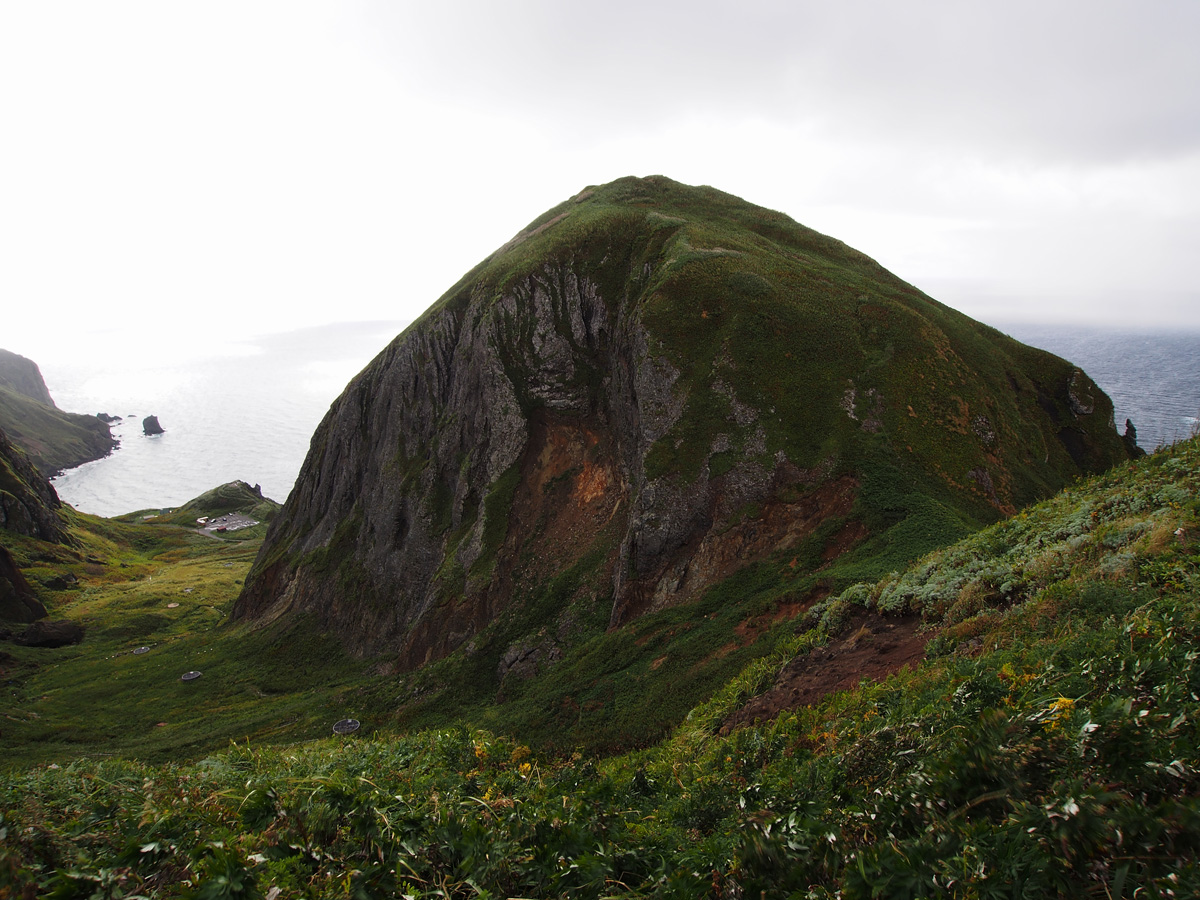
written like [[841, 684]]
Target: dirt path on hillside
[[870, 649]]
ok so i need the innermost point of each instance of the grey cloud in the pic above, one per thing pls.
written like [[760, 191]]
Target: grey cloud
[[1099, 80]]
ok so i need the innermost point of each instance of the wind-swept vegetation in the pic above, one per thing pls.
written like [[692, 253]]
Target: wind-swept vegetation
[[1047, 746]]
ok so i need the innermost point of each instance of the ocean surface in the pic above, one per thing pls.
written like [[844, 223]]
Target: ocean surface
[[247, 409], [1153, 378]]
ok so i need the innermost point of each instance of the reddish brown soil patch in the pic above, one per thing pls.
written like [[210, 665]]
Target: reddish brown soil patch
[[570, 491], [848, 536], [870, 649], [750, 630]]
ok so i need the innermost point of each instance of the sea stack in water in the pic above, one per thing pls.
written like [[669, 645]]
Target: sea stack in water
[[650, 388], [150, 425]]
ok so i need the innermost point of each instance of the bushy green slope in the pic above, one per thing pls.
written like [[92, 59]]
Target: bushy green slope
[[1048, 748]]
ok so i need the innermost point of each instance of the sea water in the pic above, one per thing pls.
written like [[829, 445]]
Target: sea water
[[248, 409], [244, 410], [1153, 378]]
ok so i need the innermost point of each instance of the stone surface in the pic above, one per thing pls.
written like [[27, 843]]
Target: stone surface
[[150, 425]]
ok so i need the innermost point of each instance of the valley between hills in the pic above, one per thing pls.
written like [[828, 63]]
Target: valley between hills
[[631, 587]]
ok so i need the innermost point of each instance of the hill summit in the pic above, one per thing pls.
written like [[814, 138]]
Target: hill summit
[[647, 390]]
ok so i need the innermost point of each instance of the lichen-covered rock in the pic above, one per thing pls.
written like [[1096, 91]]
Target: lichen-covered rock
[[669, 384]]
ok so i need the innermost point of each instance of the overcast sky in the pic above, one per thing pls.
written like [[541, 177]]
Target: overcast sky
[[173, 168]]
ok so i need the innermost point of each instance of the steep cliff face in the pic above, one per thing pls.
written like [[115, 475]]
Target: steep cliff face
[[54, 439], [23, 376], [662, 384]]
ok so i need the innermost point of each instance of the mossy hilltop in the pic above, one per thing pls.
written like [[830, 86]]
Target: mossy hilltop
[[655, 400]]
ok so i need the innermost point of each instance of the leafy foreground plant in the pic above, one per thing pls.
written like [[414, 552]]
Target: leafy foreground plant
[[1050, 749]]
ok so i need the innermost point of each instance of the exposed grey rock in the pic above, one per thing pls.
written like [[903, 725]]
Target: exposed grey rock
[[982, 426], [1130, 440], [1080, 394], [150, 425], [527, 660], [63, 582], [402, 466]]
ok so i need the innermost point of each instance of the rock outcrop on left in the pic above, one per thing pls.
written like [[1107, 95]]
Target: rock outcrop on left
[[648, 390], [55, 440], [29, 504], [17, 600], [28, 507]]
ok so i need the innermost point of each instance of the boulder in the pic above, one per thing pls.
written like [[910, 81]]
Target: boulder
[[150, 425], [62, 582], [51, 633]]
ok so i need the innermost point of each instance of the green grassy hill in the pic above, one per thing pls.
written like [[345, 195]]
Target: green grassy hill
[[1046, 745]]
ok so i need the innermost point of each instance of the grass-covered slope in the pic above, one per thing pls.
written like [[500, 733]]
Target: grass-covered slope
[[144, 584], [236, 498], [54, 439], [1048, 747], [22, 376]]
